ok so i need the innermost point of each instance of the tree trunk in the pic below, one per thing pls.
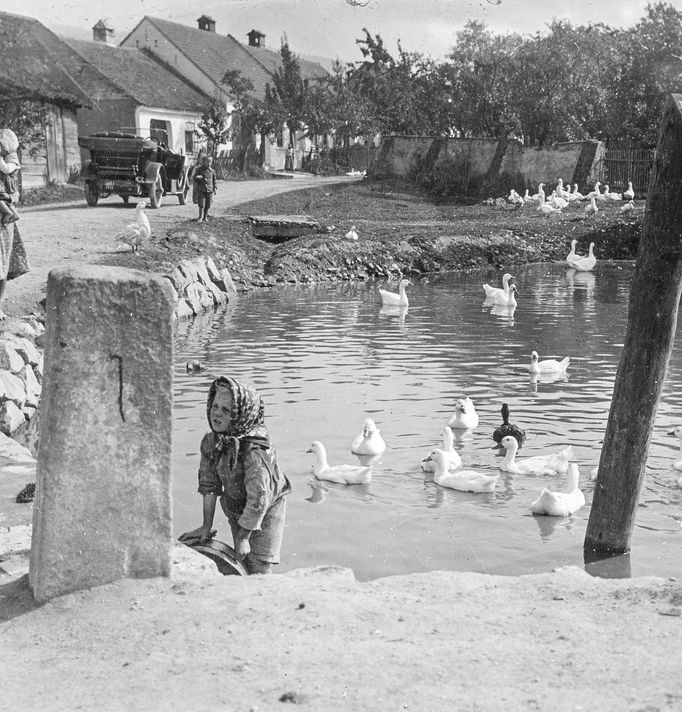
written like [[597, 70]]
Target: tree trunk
[[652, 318]]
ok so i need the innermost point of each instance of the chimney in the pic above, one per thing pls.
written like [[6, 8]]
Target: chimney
[[206, 23], [103, 32], [256, 38]]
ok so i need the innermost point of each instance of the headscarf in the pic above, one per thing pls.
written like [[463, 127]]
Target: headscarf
[[247, 420]]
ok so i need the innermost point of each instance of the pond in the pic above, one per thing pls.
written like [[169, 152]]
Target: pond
[[325, 357]]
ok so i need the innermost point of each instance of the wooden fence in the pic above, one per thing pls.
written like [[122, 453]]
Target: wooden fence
[[621, 165]]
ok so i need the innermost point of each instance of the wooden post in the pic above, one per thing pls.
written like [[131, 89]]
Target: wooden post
[[652, 318]]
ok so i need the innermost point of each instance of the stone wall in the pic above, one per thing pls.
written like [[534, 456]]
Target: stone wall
[[486, 160]]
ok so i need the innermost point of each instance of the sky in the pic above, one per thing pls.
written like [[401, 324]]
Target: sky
[[330, 28]]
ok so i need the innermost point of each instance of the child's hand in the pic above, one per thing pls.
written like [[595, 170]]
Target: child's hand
[[200, 534], [241, 544]]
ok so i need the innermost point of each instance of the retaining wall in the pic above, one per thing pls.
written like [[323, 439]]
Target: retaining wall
[[486, 160]]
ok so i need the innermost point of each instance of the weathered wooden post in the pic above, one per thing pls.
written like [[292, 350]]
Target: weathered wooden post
[[103, 496], [652, 318]]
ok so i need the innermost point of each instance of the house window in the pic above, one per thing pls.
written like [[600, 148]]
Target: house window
[[160, 130], [189, 141]]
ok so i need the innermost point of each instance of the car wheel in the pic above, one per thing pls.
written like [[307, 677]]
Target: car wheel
[[156, 193], [91, 193]]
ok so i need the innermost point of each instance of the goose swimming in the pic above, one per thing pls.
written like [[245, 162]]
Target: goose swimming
[[498, 294], [342, 474], [454, 460], [369, 440], [507, 428], [465, 416], [585, 264], [393, 299], [561, 504], [462, 480], [572, 255], [549, 365], [553, 464]]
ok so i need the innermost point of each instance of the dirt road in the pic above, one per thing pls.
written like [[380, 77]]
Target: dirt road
[[71, 234]]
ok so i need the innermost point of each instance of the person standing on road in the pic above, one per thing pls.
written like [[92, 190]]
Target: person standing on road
[[205, 186]]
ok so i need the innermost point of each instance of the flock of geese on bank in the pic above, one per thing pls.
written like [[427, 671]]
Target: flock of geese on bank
[[561, 198], [445, 462]]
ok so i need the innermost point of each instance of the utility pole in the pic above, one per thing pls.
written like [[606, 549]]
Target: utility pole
[[652, 318]]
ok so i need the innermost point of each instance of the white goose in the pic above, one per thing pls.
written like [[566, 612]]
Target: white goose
[[462, 480], [369, 440], [135, 233], [612, 196], [393, 299], [592, 208], [510, 301], [561, 191], [342, 474], [465, 416], [561, 504], [572, 255], [585, 264], [454, 460], [498, 294], [546, 208], [351, 234], [556, 201], [540, 195], [553, 464], [578, 195], [627, 207], [595, 192], [629, 194], [549, 365]]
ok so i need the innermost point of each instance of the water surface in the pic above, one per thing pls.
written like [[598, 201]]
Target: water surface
[[324, 357]]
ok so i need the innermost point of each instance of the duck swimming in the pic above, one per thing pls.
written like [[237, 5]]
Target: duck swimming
[[369, 441], [549, 365], [554, 464], [393, 299], [507, 429], [561, 504], [465, 416], [341, 474], [454, 461], [462, 480], [498, 294]]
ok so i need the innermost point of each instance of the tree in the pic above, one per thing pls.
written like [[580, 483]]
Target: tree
[[214, 124], [26, 117]]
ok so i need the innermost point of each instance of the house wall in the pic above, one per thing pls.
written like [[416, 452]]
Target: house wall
[[179, 122], [57, 155], [488, 159]]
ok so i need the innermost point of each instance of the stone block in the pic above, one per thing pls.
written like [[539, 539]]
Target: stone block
[[226, 284], [189, 270], [10, 360], [26, 349], [219, 297], [31, 386], [213, 271], [12, 388], [202, 272], [183, 310], [11, 417], [103, 498], [179, 279], [200, 298], [38, 370]]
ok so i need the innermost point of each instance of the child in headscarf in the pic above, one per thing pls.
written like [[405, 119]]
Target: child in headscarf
[[9, 168], [239, 465]]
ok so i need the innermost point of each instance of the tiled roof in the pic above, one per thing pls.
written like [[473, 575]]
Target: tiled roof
[[273, 60], [146, 80], [34, 62], [214, 53]]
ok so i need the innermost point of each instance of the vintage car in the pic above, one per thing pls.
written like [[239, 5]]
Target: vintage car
[[130, 165]]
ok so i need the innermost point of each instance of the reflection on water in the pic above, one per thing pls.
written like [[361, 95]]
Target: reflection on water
[[325, 358]]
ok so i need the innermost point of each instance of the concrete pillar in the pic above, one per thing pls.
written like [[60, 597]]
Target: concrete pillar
[[103, 499]]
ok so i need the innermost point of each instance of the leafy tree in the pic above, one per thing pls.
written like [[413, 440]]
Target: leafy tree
[[214, 124], [26, 117]]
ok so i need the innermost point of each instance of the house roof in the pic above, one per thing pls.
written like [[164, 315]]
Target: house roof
[[138, 75], [214, 53], [33, 62], [272, 61]]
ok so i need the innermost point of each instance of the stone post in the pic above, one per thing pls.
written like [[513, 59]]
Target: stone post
[[103, 497]]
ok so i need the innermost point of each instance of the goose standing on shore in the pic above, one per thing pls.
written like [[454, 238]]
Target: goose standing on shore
[[135, 233], [629, 194]]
